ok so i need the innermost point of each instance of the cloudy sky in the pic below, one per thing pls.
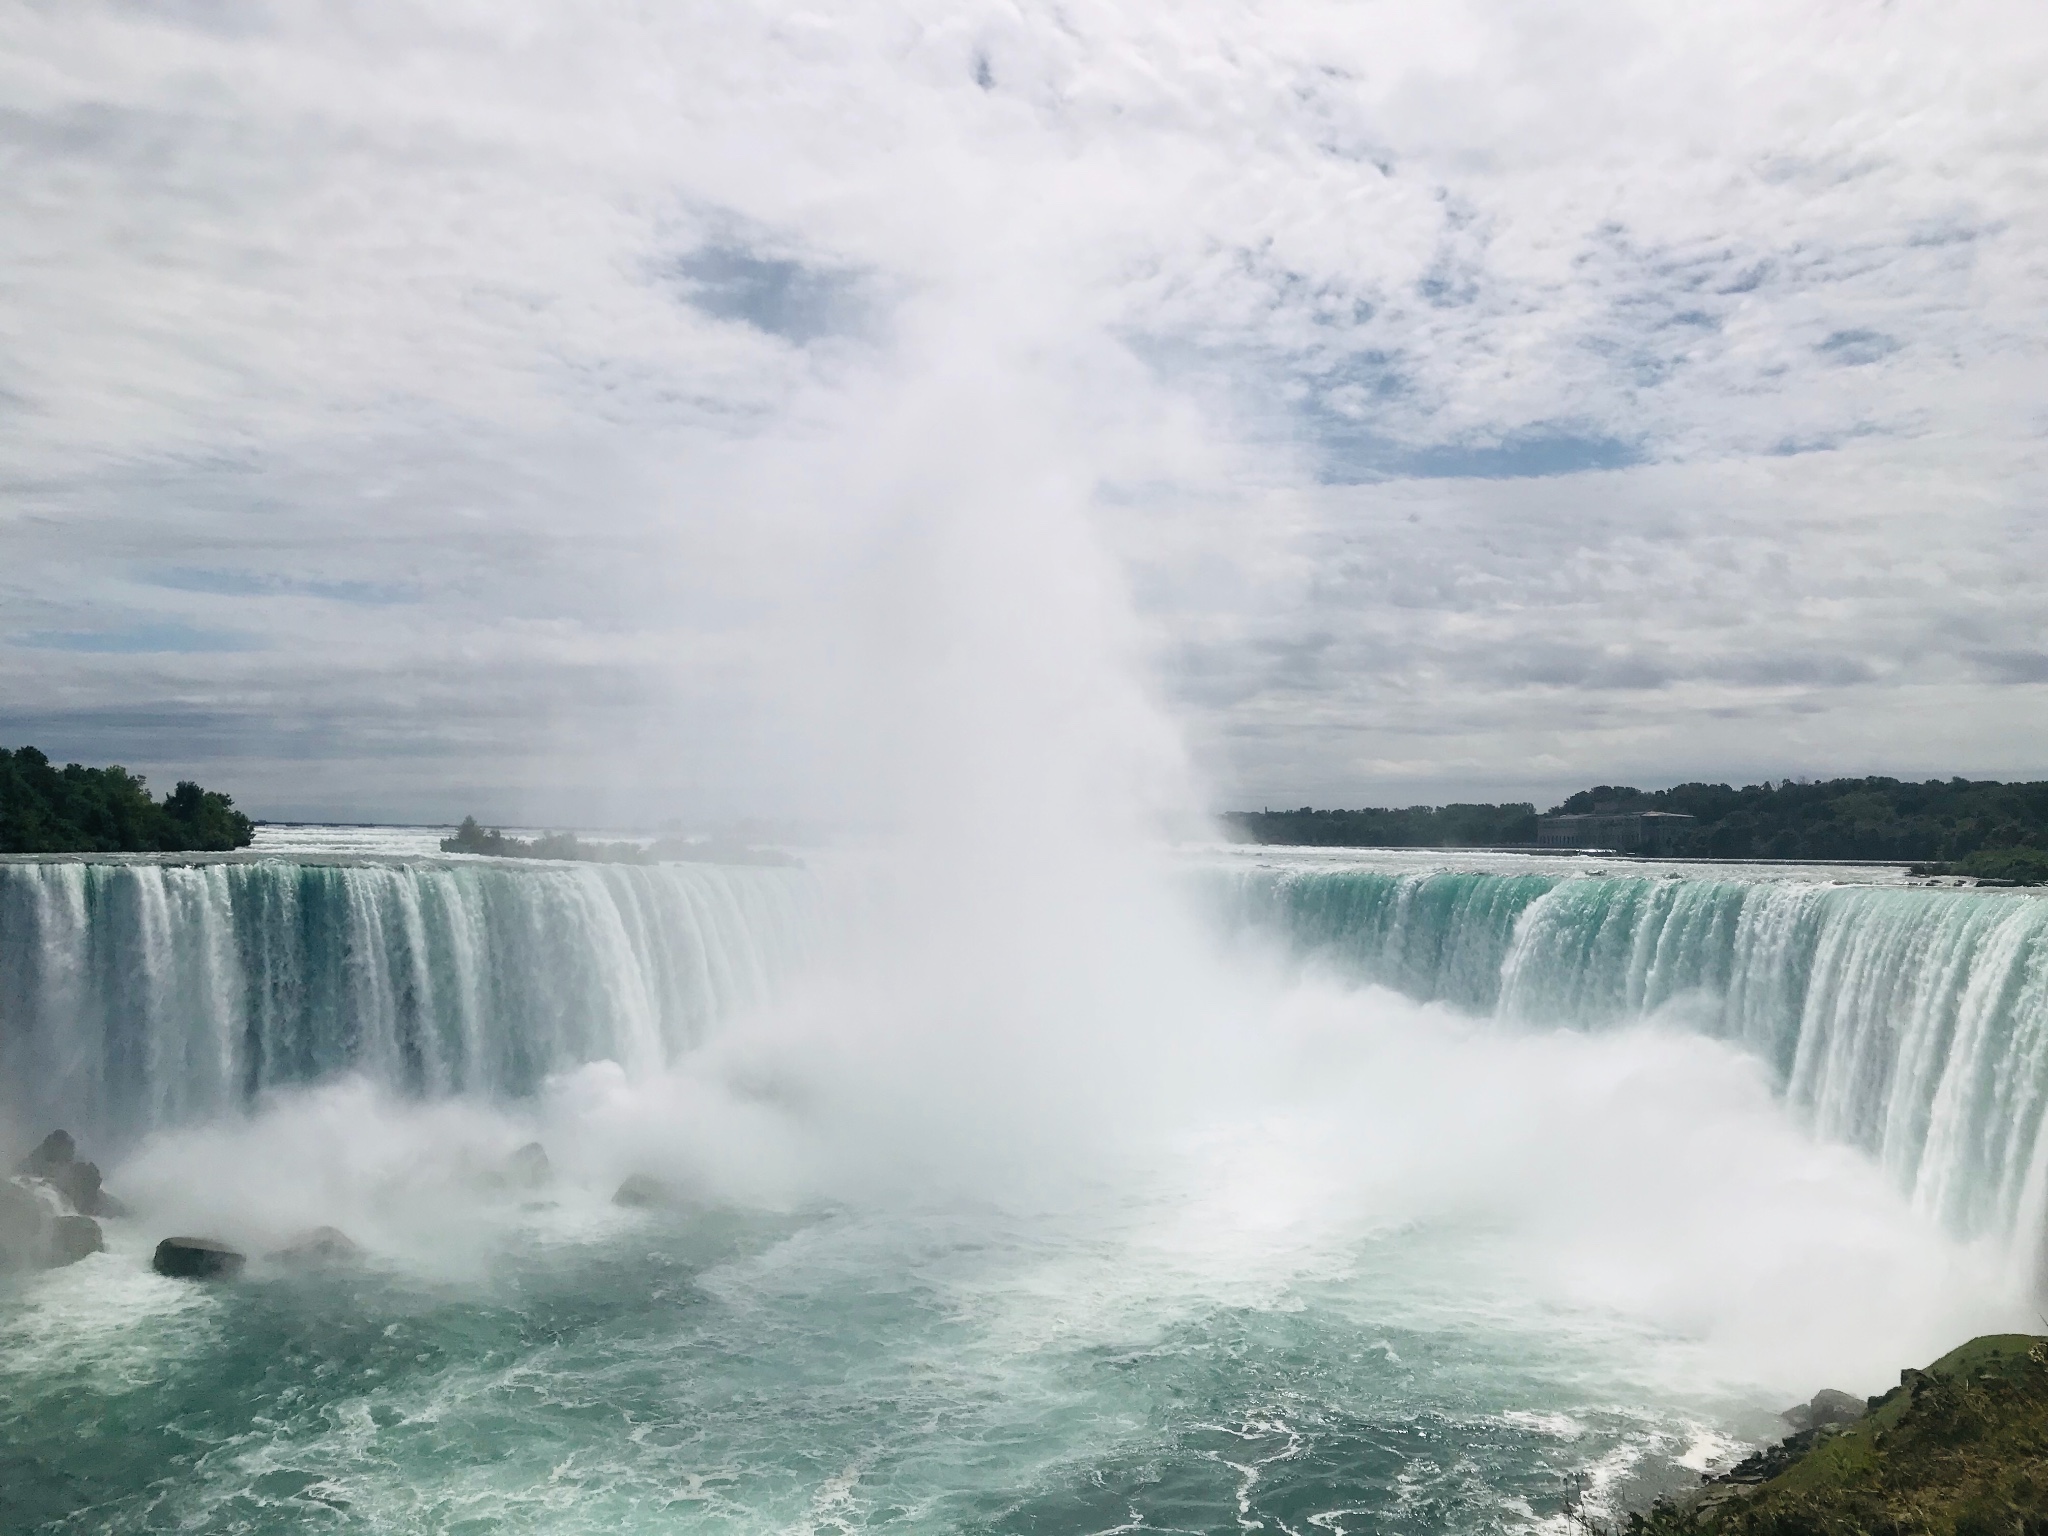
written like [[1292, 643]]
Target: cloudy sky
[[611, 411]]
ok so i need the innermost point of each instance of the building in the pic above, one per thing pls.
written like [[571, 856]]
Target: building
[[1614, 831]]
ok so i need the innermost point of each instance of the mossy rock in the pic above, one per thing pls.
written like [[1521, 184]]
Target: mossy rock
[[1957, 1449]]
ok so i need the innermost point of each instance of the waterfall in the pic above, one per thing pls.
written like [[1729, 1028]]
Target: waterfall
[[141, 994], [1907, 1021], [1910, 1022]]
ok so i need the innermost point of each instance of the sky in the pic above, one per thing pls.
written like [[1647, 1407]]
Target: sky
[[613, 413]]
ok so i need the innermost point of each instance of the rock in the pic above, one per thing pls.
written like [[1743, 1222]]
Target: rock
[[196, 1258], [641, 1192], [53, 1152], [1796, 1418], [321, 1248], [73, 1238], [25, 1223], [528, 1168], [34, 1234], [1832, 1407], [56, 1161], [525, 1169], [79, 1184]]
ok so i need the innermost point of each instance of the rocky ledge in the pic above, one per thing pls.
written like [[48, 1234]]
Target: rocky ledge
[[47, 1208], [1957, 1449], [197, 1258]]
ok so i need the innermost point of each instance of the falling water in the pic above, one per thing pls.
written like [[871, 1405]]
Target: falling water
[[1909, 1022], [1256, 1249], [139, 995]]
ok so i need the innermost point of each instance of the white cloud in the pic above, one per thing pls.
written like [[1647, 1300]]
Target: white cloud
[[577, 399]]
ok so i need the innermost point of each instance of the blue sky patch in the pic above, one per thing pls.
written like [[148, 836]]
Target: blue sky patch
[[233, 583], [784, 298], [1852, 349], [139, 639], [1520, 458]]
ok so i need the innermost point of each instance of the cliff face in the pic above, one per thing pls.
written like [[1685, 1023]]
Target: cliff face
[[1959, 1449]]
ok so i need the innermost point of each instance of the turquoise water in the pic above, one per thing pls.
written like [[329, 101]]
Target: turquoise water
[[1909, 1021], [745, 1372], [141, 993], [1451, 1185]]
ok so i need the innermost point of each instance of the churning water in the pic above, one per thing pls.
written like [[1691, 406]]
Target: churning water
[[1425, 1186]]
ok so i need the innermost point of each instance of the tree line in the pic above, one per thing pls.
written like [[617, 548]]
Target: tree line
[[491, 842], [1980, 826], [73, 809], [1414, 826]]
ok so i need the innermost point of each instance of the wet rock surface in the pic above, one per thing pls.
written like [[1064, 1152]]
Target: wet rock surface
[[197, 1258], [25, 1223], [47, 1208], [321, 1248], [56, 1162], [1953, 1449], [73, 1238], [523, 1171], [642, 1191], [1828, 1407], [52, 1152], [529, 1168]]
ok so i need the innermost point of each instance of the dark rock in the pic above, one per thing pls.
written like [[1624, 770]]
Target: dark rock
[[1767, 1463], [111, 1208], [1796, 1418], [73, 1238], [321, 1248], [56, 1161], [79, 1184], [528, 1168], [641, 1192], [196, 1258], [1832, 1407], [53, 1152], [24, 1227]]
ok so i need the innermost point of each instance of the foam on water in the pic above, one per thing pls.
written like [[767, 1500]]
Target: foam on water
[[147, 992], [983, 1248]]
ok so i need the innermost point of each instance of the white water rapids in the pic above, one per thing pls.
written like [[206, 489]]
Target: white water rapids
[[1427, 1183]]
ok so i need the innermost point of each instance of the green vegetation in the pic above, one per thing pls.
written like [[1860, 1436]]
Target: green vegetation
[[1984, 828], [108, 810], [470, 837], [1960, 1449], [1847, 818]]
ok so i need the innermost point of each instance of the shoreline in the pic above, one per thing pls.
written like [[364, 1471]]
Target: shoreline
[[1958, 1448]]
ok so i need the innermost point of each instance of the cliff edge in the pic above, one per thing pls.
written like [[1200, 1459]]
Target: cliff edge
[[1957, 1449]]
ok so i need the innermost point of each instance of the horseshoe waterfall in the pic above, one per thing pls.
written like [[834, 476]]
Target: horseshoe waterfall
[[1910, 1023], [1377, 1192]]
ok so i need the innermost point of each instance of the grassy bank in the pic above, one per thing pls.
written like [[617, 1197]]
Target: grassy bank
[[1957, 1449]]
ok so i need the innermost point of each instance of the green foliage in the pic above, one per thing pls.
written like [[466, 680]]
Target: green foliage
[[108, 810], [470, 837], [1872, 818], [1989, 829], [1959, 1449], [2017, 866]]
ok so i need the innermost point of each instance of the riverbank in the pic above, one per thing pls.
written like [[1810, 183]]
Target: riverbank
[[1957, 1449]]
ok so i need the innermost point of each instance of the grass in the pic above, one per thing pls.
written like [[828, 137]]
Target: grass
[[1959, 1449]]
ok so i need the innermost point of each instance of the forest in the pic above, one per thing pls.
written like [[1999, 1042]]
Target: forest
[[73, 809], [491, 842], [1981, 826]]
